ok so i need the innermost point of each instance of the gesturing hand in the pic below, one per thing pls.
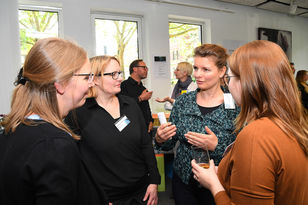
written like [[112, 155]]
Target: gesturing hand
[[201, 140]]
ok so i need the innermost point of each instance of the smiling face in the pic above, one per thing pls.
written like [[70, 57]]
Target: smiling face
[[206, 73], [73, 93], [106, 83]]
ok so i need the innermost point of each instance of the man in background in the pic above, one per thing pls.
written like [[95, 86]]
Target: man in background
[[134, 88]]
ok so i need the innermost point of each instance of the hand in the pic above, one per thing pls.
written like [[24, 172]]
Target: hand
[[151, 195], [165, 132], [165, 100], [161, 100], [207, 177], [145, 95], [150, 128], [201, 140]]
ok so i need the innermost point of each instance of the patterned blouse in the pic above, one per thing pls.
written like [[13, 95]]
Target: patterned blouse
[[186, 116]]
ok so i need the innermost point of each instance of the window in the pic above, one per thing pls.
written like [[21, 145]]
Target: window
[[36, 23], [120, 37], [183, 38]]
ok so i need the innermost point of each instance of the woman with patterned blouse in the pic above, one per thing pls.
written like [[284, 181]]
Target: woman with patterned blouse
[[200, 118]]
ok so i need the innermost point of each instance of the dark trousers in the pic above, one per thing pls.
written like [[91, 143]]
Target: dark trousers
[[192, 193], [134, 199]]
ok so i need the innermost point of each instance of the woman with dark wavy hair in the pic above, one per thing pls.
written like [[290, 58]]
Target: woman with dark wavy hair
[[301, 79], [268, 162]]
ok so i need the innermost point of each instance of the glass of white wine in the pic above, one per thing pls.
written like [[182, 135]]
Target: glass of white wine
[[202, 156]]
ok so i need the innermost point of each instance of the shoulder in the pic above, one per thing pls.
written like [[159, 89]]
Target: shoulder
[[187, 97], [261, 131], [192, 86]]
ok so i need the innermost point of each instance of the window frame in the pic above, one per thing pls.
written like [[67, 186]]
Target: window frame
[[120, 17]]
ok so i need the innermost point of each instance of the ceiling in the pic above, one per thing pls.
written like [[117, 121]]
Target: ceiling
[[290, 7]]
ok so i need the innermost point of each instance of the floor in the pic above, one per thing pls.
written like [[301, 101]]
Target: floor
[[165, 198]]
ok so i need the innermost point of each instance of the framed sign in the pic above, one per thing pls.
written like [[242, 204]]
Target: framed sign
[[281, 37]]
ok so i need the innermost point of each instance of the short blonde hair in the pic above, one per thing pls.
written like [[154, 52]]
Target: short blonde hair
[[185, 67], [98, 66]]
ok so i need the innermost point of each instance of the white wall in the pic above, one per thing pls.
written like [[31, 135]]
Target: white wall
[[228, 29]]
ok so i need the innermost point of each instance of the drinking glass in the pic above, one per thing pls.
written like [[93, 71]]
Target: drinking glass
[[201, 155]]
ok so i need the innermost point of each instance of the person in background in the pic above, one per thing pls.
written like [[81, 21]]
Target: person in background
[[184, 84], [115, 144], [292, 67], [134, 88], [40, 161], [203, 118], [268, 162], [301, 79]]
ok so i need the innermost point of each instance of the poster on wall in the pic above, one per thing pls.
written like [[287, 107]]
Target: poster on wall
[[281, 37]]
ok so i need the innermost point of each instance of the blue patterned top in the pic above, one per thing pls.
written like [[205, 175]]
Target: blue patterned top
[[186, 116]]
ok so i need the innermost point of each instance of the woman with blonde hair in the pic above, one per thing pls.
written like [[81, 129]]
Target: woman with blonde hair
[[184, 84], [40, 161], [268, 162], [115, 144]]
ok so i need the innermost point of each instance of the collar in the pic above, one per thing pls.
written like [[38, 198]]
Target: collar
[[132, 81], [91, 102]]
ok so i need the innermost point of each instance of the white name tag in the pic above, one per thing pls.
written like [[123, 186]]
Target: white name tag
[[122, 123], [229, 101]]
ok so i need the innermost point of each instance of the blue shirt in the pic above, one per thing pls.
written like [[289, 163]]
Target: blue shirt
[[186, 116]]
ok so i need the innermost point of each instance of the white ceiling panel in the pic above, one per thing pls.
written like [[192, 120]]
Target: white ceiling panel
[[277, 7], [299, 3], [245, 2], [282, 6]]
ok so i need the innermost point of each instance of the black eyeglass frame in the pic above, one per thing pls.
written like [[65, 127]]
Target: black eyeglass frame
[[89, 75], [142, 66], [115, 75], [227, 79]]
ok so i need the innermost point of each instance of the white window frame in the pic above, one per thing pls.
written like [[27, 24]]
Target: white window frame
[[47, 9], [120, 17]]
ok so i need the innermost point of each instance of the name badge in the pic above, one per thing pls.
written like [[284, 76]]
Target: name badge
[[183, 91], [122, 123], [229, 101]]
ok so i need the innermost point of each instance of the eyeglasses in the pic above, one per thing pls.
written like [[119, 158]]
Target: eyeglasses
[[227, 79], [142, 66], [115, 75], [90, 76]]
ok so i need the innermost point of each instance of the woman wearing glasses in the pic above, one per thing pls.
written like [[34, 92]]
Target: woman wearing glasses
[[268, 162], [203, 117], [40, 161], [115, 145]]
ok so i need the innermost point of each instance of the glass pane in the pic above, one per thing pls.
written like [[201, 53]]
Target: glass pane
[[183, 38], [34, 25], [117, 38]]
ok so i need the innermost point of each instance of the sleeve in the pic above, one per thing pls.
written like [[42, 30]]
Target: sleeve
[[253, 172], [192, 87], [148, 151], [53, 168], [168, 105], [174, 116]]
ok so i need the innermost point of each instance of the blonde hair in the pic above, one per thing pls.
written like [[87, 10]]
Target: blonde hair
[[98, 66], [50, 60], [185, 67], [269, 89]]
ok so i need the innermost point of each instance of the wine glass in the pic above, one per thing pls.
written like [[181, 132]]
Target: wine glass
[[201, 155]]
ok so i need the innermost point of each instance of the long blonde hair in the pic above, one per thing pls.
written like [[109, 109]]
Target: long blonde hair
[[50, 60], [98, 65], [269, 89]]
